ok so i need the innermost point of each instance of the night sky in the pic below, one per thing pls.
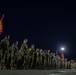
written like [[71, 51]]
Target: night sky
[[48, 26]]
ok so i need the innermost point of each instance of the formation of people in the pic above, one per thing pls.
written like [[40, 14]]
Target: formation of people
[[12, 57]]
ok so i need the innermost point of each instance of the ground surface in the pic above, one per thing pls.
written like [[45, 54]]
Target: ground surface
[[38, 72]]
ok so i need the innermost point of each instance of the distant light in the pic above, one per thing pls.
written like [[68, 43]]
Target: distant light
[[62, 48]]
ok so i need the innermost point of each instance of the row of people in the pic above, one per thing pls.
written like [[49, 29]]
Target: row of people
[[11, 57]]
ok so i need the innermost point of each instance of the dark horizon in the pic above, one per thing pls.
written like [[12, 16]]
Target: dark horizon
[[48, 26]]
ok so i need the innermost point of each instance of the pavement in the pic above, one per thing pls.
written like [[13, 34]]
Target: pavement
[[38, 72]]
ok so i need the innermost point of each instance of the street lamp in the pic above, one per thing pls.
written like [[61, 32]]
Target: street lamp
[[62, 49]]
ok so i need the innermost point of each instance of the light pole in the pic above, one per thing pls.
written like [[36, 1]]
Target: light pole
[[62, 49], [57, 52]]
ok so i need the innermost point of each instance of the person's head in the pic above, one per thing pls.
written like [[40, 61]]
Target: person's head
[[57, 56], [48, 51], [7, 37], [51, 53], [16, 43], [54, 54], [45, 50], [32, 46], [41, 50], [25, 40], [37, 49]]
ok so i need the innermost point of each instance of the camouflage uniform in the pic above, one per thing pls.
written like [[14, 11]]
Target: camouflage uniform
[[25, 57], [37, 59], [20, 58], [75, 64], [49, 60], [40, 62], [30, 58], [62, 63], [34, 57], [65, 63], [72, 64], [14, 55], [58, 62], [53, 61], [45, 59], [69, 64], [9, 58], [24, 45], [4, 50]]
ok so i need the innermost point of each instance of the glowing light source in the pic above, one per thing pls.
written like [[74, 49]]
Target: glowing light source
[[62, 48]]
